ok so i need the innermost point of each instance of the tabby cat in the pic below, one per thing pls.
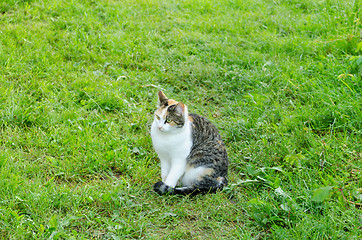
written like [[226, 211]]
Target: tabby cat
[[190, 149]]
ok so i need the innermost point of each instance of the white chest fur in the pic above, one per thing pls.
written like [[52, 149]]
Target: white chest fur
[[172, 145], [172, 149]]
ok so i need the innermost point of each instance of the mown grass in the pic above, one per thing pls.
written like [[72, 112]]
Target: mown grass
[[280, 79]]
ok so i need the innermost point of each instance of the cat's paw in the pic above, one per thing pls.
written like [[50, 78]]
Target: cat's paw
[[161, 188]]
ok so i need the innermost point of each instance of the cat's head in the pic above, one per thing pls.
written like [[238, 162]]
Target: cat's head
[[170, 115]]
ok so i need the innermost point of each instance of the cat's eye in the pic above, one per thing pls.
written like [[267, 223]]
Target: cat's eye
[[158, 118], [168, 120]]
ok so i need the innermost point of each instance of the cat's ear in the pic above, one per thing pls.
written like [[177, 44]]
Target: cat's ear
[[179, 109], [161, 97]]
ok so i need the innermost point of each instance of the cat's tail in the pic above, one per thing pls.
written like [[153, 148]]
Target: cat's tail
[[163, 189]]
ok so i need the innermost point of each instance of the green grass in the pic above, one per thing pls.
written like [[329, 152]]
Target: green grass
[[282, 80]]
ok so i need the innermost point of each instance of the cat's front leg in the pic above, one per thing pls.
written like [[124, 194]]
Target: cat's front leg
[[170, 173], [178, 168], [165, 169]]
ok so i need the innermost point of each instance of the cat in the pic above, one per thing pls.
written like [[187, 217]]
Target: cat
[[190, 149]]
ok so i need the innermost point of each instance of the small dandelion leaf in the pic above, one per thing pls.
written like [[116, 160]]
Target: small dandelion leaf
[[321, 194]]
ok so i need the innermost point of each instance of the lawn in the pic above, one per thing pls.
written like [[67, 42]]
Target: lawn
[[281, 79]]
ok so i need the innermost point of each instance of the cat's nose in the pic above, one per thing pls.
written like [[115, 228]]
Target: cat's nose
[[160, 127]]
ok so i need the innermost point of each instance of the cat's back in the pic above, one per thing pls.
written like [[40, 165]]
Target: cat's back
[[202, 129], [208, 148]]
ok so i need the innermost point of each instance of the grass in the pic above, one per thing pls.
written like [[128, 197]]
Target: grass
[[282, 81]]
